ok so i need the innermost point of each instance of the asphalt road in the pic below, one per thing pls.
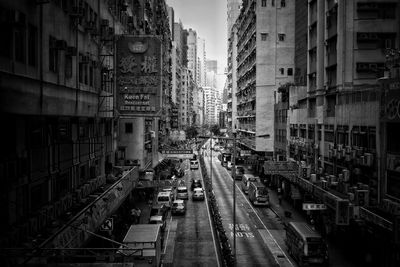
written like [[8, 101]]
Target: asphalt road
[[259, 232], [190, 237]]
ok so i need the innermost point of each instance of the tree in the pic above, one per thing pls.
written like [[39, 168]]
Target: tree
[[215, 130], [191, 132]]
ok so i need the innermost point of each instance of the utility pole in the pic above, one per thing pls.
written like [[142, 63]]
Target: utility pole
[[211, 141], [233, 171]]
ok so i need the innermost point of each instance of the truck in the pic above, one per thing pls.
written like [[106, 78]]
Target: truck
[[142, 245], [258, 194]]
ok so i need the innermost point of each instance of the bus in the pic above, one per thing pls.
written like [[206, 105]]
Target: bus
[[258, 194], [306, 245], [247, 178], [225, 157]]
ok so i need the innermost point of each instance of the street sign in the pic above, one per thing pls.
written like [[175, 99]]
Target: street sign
[[178, 153], [313, 206], [107, 225]]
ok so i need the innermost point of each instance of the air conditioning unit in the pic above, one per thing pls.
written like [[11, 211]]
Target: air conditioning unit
[[348, 149], [340, 147], [368, 159], [313, 178], [61, 45], [18, 18]]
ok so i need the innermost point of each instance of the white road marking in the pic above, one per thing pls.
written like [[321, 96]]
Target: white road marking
[[169, 227], [256, 213]]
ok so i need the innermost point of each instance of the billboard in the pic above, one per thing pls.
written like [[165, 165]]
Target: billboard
[[139, 75]]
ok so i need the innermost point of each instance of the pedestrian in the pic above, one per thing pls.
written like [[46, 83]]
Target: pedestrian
[[280, 195]]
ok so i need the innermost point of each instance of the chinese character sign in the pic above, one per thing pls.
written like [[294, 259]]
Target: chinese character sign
[[139, 75]]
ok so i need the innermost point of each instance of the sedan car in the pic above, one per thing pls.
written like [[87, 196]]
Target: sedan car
[[182, 192], [195, 183], [178, 207], [198, 194]]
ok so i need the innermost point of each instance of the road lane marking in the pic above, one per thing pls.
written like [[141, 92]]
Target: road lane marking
[[269, 233], [169, 227]]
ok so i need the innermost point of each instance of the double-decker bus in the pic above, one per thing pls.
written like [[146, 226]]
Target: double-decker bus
[[306, 245]]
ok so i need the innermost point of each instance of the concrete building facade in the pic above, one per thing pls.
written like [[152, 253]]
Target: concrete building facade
[[334, 119], [58, 103], [265, 61]]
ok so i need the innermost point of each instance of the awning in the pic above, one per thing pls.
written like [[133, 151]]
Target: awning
[[162, 162]]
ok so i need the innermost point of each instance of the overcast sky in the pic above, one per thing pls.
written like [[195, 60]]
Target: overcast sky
[[208, 19]]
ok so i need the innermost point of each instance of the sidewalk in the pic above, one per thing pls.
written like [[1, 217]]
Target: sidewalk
[[279, 209]]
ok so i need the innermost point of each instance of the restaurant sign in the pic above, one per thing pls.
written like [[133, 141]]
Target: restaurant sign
[[139, 75]]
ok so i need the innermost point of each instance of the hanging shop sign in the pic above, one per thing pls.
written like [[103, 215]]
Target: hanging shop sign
[[139, 75], [313, 206], [391, 103]]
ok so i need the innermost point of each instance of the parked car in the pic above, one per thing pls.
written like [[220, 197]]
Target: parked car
[[195, 183], [178, 207], [182, 192], [239, 171], [159, 209], [194, 164], [198, 194], [229, 165], [158, 219]]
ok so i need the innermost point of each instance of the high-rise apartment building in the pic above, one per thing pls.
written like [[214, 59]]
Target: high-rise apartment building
[[63, 130], [336, 126], [233, 11], [265, 61], [192, 54], [201, 61], [232, 79]]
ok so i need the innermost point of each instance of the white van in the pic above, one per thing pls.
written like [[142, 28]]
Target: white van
[[194, 164], [165, 198], [247, 178]]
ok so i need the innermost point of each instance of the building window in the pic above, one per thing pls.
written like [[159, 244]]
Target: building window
[[282, 71], [273, 3], [289, 71], [53, 54], [264, 36], [283, 3], [19, 44], [68, 67], [91, 76], [39, 196], [128, 127], [263, 2], [281, 37], [32, 45]]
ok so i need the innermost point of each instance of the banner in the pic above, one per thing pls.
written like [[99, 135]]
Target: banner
[[139, 75]]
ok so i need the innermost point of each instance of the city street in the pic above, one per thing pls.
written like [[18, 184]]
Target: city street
[[259, 230], [255, 243], [190, 241]]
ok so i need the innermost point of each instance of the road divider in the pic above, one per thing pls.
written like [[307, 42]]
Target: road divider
[[224, 246]]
